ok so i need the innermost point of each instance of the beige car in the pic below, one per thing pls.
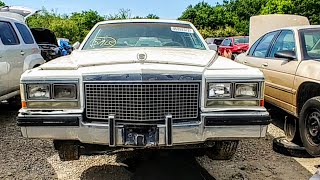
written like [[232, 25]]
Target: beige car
[[290, 61]]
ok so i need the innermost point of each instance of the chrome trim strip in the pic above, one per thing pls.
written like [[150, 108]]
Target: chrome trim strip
[[142, 77]]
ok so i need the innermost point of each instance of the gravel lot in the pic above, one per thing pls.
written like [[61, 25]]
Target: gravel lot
[[22, 158]]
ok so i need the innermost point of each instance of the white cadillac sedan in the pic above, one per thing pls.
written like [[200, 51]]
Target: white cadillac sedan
[[143, 84]]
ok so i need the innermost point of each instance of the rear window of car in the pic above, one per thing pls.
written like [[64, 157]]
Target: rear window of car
[[241, 40], [7, 34], [25, 33]]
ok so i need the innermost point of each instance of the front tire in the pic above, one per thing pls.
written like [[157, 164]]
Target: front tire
[[309, 126], [222, 150]]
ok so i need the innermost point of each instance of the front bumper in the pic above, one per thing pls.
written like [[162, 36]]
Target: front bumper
[[211, 126]]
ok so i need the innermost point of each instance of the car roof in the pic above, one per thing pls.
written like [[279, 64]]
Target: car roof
[[144, 20], [7, 16], [299, 27]]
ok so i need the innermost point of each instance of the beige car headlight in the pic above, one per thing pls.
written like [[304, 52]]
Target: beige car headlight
[[38, 91], [64, 91], [246, 90], [219, 90]]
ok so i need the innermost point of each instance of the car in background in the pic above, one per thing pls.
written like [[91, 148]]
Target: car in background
[[47, 42], [290, 60], [217, 41], [18, 51], [232, 46]]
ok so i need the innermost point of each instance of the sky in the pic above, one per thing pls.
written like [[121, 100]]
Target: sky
[[165, 9]]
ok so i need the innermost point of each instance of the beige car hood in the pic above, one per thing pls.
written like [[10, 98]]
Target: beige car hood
[[179, 56]]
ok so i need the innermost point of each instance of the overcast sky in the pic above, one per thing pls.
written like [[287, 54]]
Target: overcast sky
[[167, 9]]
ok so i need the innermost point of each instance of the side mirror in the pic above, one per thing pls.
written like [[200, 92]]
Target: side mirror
[[76, 45], [213, 47], [286, 54]]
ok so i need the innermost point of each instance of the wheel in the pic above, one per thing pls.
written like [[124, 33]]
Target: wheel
[[309, 126], [233, 56], [222, 150], [291, 130], [69, 151], [283, 146]]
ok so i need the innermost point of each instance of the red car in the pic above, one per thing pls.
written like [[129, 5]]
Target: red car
[[232, 46]]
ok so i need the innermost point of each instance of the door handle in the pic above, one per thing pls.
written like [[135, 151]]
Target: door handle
[[22, 53], [265, 64]]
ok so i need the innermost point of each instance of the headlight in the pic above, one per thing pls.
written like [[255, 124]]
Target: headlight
[[38, 91], [219, 90], [64, 92], [246, 90]]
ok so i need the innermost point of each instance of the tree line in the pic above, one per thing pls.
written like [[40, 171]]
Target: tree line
[[229, 18]]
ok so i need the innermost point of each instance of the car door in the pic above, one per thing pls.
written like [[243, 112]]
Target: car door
[[4, 69], [258, 52], [280, 73], [12, 55]]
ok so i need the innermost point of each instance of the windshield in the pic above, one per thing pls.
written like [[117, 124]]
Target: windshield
[[124, 35], [241, 40], [311, 43]]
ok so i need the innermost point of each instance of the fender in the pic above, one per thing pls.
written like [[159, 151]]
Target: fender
[[32, 60]]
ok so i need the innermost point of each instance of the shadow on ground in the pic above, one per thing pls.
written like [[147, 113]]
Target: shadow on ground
[[178, 164]]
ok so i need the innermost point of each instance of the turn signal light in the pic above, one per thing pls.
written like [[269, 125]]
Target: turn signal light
[[24, 104], [262, 102]]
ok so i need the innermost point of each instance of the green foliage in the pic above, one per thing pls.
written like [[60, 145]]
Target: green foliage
[[233, 16], [278, 7], [76, 26], [2, 3]]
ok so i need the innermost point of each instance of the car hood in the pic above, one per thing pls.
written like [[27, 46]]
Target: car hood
[[44, 36], [175, 56]]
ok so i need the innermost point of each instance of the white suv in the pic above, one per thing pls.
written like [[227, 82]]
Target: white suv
[[18, 50]]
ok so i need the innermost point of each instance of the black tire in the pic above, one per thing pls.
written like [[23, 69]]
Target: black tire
[[283, 146], [69, 151], [291, 129], [222, 150], [233, 56], [309, 126]]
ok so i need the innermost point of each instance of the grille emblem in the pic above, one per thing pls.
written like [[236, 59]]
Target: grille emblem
[[142, 56]]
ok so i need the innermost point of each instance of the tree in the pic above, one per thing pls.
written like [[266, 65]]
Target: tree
[[278, 7], [2, 3], [152, 16]]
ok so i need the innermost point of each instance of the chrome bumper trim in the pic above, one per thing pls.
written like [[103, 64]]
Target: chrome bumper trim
[[182, 133]]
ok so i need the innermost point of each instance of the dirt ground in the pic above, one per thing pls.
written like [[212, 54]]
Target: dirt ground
[[22, 158]]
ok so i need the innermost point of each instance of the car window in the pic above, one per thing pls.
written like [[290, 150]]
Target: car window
[[226, 42], [7, 34], [285, 41], [125, 35], [253, 47], [310, 43], [25, 33], [241, 40], [262, 48]]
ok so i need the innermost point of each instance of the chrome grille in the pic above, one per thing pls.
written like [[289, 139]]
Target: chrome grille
[[142, 102]]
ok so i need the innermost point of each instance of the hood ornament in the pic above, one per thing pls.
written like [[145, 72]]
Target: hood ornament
[[142, 57]]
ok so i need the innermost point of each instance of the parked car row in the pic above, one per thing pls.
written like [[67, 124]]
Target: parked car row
[[23, 48], [229, 47]]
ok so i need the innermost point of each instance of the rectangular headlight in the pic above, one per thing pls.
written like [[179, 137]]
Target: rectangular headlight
[[38, 91], [219, 90], [64, 91], [246, 90]]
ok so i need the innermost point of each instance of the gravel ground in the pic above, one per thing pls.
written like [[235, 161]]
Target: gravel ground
[[22, 158]]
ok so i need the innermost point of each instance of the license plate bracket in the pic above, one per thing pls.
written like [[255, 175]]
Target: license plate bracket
[[141, 135]]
